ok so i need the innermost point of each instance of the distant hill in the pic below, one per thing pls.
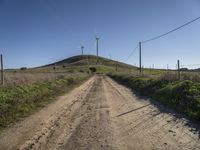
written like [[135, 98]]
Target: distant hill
[[81, 60]]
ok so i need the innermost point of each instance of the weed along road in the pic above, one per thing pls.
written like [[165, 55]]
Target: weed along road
[[101, 114]]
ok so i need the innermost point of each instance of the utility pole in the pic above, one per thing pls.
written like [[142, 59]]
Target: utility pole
[[82, 47], [97, 39], [178, 64], [140, 57], [2, 75]]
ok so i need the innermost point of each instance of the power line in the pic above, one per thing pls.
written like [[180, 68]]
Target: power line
[[133, 51], [159, 36]]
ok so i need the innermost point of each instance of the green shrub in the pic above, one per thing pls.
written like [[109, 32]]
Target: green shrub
[[93, 69], [183, 96]]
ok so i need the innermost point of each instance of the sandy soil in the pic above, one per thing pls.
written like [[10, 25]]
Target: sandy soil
[[101, 114]]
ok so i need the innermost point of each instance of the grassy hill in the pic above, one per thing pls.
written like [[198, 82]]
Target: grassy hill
[[83, 63], [75, 65], [81, 60]]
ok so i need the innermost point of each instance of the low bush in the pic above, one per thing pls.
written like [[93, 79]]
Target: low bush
[[23, 68], [93, 69]]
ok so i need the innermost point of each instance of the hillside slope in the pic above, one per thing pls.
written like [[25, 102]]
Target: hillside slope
[[81, 60]]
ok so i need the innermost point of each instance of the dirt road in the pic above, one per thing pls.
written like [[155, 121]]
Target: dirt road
[[101, 114]]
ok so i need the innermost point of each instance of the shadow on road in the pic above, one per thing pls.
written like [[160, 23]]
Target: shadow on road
[[132, 110], [193, 124]]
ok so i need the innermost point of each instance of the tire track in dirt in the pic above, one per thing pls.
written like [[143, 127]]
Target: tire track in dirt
[[82, 125], [94, 130]]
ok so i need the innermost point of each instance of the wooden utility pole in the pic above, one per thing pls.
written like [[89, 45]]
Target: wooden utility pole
[[179, 75], [2, 73], [140, 57]]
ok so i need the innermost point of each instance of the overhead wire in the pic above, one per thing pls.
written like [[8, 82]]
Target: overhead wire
[[133, 51], [159, 36]]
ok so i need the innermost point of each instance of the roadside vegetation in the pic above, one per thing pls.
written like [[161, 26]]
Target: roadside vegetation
[[183, 96], [28, 89], [21, 100]]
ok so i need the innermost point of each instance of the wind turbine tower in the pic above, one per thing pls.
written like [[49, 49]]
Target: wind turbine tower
[[97, 40], [82, 47]]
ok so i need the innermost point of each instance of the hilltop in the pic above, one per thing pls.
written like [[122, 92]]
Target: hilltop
[[81, 60]]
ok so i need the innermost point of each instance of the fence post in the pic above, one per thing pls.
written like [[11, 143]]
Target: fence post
[[142, 70], [2, 71], [116, 67], [167, 69], [179, 74], [54, 68], [140, 57]]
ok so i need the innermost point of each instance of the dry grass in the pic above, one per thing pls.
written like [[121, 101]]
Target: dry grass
[[22, 100], [14, 78], [192, 76]]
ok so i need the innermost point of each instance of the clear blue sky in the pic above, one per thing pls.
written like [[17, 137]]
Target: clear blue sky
[[38, 32]]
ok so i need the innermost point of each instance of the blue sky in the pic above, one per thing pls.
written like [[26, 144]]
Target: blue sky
[[38, 32]]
